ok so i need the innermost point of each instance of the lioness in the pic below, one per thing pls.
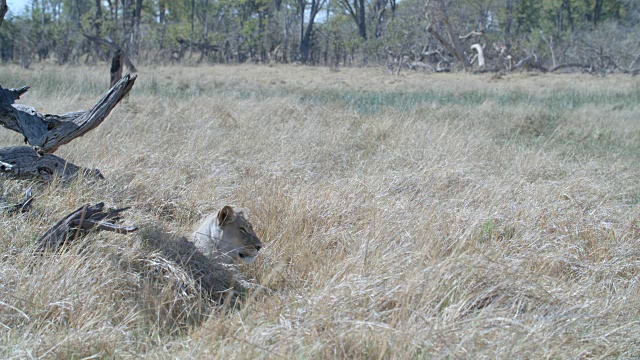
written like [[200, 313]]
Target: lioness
[[227, 237]]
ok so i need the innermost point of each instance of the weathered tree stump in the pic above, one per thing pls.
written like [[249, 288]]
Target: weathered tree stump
[[80, 222]]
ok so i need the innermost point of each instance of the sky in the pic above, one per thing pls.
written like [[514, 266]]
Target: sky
[[17, 6]]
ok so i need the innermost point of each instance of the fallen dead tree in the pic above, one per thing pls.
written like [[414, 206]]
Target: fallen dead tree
[[80, 222], [23, 162], [47, 132]]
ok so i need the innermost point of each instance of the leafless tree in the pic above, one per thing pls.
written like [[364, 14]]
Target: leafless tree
[[436, 14]]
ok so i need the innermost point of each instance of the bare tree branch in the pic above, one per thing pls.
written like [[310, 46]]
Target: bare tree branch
[[48, 132], [79, 222], [473, 33], [436, 12]]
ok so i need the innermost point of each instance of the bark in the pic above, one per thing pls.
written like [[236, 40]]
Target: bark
[[48, 132], [3, 10], [597, 12], [193, 20], [116, 67], [436, 13], [79, 223], [23, 162], [162, 12], [206, 20], [507, 26], [357, 12], [306, 34], [98, 16], [478, 49], [137, 16], [379, 12], [566, 4]]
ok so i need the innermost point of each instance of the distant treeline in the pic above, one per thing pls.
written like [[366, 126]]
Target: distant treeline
[[431, 35]]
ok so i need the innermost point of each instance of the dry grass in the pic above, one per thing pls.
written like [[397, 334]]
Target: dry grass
[[403, 217]]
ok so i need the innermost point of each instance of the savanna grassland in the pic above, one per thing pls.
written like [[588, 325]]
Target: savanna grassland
[[411, 217]]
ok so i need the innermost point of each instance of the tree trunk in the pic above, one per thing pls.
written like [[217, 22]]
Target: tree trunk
[[566, 4], [162, 10], [362, 21], [193, 20], [98, 16], [478, 49], [302, 4], [439, 14], [597, 12], [116, 67], [507, 26], [78, 14], [357, 12], [306, 34], [206, 21], [380, 9], [3, 10], [135, 34]]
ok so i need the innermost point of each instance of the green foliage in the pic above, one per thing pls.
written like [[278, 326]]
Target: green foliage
[[243, 30]]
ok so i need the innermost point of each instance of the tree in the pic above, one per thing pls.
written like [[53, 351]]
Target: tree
[[356, 9], [3, 10], [436, 14], [306, 33]]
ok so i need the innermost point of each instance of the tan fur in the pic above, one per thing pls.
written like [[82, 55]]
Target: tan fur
[[228, 237]]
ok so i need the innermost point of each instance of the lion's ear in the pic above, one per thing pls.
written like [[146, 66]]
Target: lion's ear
[[226, 215]]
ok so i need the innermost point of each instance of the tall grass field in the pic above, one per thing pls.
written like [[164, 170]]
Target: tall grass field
[[413, 217]]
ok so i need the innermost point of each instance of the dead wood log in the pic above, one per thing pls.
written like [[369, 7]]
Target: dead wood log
[[530, 62], [48, 132], [80, 222], [23, 162], [570, 65]]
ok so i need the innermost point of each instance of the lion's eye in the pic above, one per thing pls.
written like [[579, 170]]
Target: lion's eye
[[243, 230]]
